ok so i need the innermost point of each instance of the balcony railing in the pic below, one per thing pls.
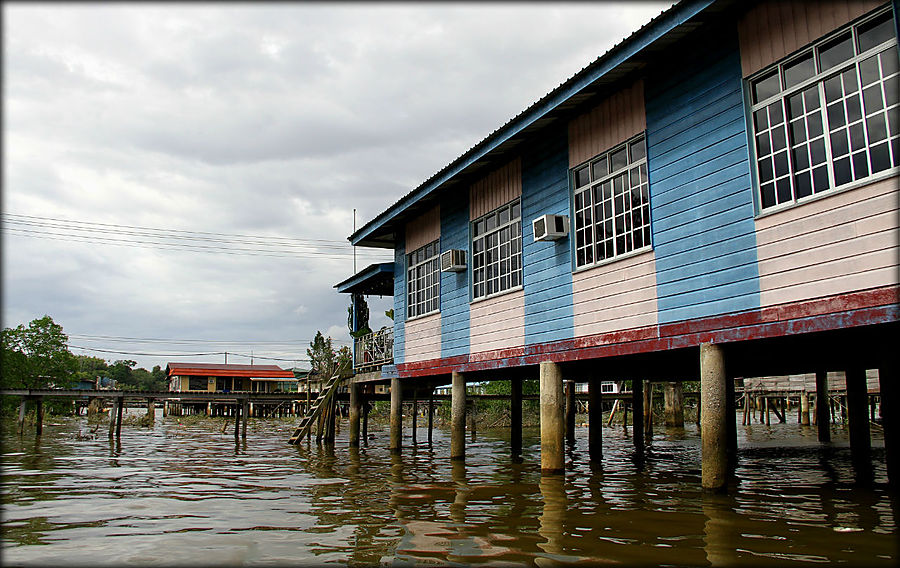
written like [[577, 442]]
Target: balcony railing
[[373, 350]]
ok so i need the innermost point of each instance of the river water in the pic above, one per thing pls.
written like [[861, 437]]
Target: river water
[[181, 493]]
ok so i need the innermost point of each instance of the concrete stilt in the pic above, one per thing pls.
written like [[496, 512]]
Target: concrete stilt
[[730, 423], [396, 416], [713, 429], [823, 408], [595, 422], [804, 408], [39, 415], [552, 418], [673, 399], [890, 406], [857, 407], [515, 416], [570, 412], [458, 416], [365, 422], [354, 415], [637, 414]]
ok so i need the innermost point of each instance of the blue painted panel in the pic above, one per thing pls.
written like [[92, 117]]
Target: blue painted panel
[[399, 301], [701, 196], [547, 265], [455, 285]]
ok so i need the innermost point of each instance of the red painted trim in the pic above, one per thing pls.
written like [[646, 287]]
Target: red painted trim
[[869, 307]]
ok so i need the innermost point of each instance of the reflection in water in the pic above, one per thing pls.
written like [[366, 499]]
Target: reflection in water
[[184, 493]]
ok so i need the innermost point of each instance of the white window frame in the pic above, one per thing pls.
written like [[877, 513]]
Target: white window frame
[[805, 139], [423, 281], [605, 187], [496, 241]]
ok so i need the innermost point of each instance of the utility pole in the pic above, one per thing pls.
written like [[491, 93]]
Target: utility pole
[[226, 357], [354, 246]]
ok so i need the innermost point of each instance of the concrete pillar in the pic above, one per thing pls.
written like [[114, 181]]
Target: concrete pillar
[[365, 422], [713, 430], [570, 412], [515, 416], [637, 414], [823, 407], [857, 407], [39, 415], [396, 416], [730, 421], [354, 415], [804, 408], [595, 421], [890, 406], [552, 418], [673, 399], [458, 416]]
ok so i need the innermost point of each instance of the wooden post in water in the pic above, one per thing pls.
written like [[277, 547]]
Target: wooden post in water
[[713, 428], [23, 407], [112, 421], [120, 407], [396, 416], [151, 410], [415, 416], [457, 416], [624, 406], [595, 422], [552, 418], [515, 416], [570, 412], [39, 415], [673, 399], [648, 411], [637, 414], [354, 415], [237, 420], [890, 407], [365, 422], [245, 416], [804, 408], [430, 414]]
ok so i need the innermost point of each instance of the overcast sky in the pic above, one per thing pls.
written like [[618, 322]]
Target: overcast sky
[[269, 121]]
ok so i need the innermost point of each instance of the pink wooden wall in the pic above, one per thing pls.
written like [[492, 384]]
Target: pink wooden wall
[[616, 296], [773, 29], [843, 243], [495, 189], [423, 338], [424, 229], [497, 323], [615, 119]]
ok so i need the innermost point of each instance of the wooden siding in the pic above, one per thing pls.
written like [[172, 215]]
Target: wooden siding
[[700, 189], [839, 244], [424, 229], [615, 119], [423, 338], [498, 323], [773, 29], [455, 285], [399, 301], [495, 189], [546, 265], [616, 296]]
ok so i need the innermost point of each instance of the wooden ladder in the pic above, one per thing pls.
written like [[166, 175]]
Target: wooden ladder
[[325, 394]]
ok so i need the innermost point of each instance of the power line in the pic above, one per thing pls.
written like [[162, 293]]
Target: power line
[[255, 356], [120, 338]]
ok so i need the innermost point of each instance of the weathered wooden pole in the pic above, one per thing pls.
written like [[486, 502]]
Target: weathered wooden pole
[[365, 422], [515, 416], [713, 428], [648, 411], [151, 410], [430, 415], [823, 412], [595, 422], [457, 416], [890, 406], [673, 399], [237, 420], [120, 408], [857, 403], [766, 404], [39, 415], [570, 411], [112, 421], [553, 409], [23, 407], [396, 441], [637, 414], [415, 417], [354, 415], [804, 408], [245, 417]]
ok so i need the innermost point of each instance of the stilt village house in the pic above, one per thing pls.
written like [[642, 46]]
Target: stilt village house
[[727, 175], [212, 377]]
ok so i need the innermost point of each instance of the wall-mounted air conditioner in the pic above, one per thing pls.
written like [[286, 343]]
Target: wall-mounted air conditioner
[[453, 260], [550, 227]]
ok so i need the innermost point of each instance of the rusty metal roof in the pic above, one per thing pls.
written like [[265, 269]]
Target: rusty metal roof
[[226, 370]]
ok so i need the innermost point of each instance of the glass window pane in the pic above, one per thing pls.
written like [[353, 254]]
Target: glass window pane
[[839, 145], [766, 87], [775, 114], [811, 98], [638, 150], [803, 183], [889, 62], [801, 158], [833, 90], [857, 137], [872, 99], [781, 164], [618, 160], [880, 157], [765, 170], [795, 105], [868, 69], [798, 131], [783, 188], [875, 32], [820, 178], [600, 169], [860, 165], [778, 139], [849, 78], [836, 51], [763, 147], [836, 115], [582, 177], [854, 112], [767, 191], [814, 125], [842, 173], [877, 128], [760, 119], [798, 70], [817, 151], [504, 216]]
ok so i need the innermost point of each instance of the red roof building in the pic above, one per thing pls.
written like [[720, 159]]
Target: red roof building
[[213, 377]]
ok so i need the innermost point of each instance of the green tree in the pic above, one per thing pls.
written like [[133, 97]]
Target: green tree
[[122, 372], [37, 356], [324, 361]]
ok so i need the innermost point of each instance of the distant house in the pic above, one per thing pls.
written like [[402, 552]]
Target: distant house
[[210, 377]]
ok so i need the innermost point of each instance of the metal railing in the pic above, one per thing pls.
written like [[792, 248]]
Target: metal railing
[[373, 350]]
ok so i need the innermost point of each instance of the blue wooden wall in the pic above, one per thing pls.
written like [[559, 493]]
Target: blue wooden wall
[[455, 285], [547, 273], [701, 197], [399, 300]]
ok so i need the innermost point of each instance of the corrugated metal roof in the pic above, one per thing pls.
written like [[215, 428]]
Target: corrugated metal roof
[[686, 8], [226, 370]]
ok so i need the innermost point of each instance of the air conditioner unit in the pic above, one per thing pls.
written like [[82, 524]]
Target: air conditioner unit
[[550, 227], [453, 260]]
